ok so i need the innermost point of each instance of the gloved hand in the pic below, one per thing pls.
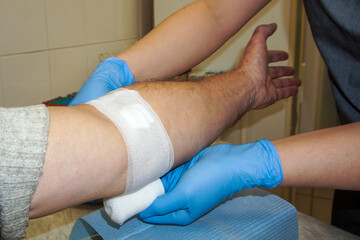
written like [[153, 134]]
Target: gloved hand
[[170, 179], [121, 208], [220, 171], [111, 74]]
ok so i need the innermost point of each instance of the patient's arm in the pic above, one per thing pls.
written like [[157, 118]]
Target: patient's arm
[[187, 37], [86, 156]]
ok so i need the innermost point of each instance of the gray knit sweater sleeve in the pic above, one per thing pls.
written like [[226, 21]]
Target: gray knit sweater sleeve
[[23, 141]]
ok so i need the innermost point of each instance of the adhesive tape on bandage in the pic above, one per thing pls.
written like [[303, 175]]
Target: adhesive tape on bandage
[[150, 151]]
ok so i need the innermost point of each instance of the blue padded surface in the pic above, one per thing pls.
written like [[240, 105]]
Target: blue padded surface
[[250, 214]]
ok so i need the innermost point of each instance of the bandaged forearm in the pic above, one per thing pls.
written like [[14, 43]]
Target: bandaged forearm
[[149, 149]]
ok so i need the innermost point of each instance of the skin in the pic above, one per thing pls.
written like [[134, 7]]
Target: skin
[[327, 158], [83, 144], [176, 44]]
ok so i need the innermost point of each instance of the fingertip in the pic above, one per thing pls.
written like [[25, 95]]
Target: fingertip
[[150, 211], [273, 25], [152, 220], [72, 103], [287, 92], [290, 71], [158, 207], [180, 217], [271, 29], [277, 56], [266, 29], [145, 214], [285, 55]]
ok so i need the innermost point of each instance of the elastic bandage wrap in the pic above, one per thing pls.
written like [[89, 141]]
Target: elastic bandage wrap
[[149, 148], [121, 208]]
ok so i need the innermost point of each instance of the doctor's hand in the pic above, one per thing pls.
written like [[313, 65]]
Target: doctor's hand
[[111, 74], [215, 174]]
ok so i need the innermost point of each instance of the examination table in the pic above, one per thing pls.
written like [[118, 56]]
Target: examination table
[[251, 214]]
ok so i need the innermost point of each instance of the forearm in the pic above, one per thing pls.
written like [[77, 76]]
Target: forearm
[[86, 155], [188, 37], [323, 158], [195, 114]]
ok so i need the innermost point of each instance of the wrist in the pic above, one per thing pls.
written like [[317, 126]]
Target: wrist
[[245, 90], [273, 175], [232, 90], [254, 164], [117, 71]]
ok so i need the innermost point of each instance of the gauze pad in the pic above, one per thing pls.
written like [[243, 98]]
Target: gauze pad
[[150, 151], [123, 207]]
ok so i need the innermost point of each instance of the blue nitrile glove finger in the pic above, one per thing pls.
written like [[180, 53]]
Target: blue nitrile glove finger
[[171, 208], [220, 171], [111, 74], [170, 179]]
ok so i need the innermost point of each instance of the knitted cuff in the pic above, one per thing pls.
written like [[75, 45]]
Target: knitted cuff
[[23, 141]]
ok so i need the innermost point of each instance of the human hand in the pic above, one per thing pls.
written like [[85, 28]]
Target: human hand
[[170, 179], [109, 75], [268, 82], [216, 174]]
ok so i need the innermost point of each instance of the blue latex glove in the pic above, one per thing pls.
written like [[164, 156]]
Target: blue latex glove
[[111, 74], [170, 179], [219, 172]]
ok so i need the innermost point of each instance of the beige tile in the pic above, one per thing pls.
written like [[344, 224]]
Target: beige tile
[[277, 191], [128, 19], [99, 52], [1, 92], [66, 23], [100, 21], [25, 79], [259, 122], [303, 203], [233, 134], [68, 70], [22, 26], [164, 8], [322, 209], [305, 190], [282, 192], [324, 193]]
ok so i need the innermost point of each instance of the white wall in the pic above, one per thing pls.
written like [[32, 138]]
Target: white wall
[[318, 108], [270, 122], [226, 57], [48, 48]]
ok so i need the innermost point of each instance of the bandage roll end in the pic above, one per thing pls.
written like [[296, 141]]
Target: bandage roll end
[[123, 207]]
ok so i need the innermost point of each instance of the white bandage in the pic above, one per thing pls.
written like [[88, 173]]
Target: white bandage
[[150, 152], [121, 208]]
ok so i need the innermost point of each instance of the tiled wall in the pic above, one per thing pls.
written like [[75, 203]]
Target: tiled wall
[[316, 202], [48, 48]]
